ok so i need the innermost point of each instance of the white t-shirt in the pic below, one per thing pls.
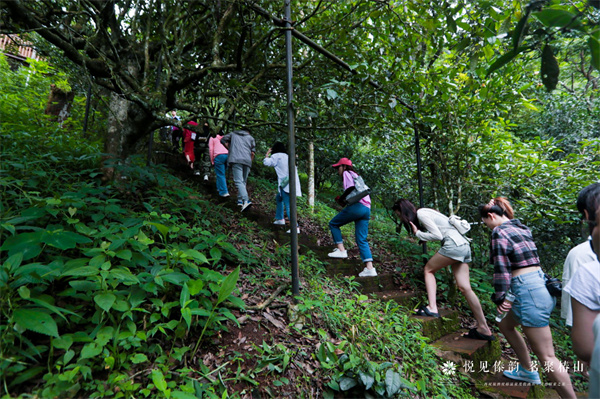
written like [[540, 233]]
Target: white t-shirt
[[584, 286], [579, 255]]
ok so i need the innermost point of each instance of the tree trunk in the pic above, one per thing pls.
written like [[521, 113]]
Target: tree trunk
[[127, 124], [311, 175], [59, 104]]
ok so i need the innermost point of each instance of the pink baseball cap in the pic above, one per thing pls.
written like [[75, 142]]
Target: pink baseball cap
[[343, 161]]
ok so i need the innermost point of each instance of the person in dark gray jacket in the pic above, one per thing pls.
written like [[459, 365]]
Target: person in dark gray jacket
[[241, 147]]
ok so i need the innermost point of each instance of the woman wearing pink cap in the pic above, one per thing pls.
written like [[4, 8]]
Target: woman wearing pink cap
[[359, 213]]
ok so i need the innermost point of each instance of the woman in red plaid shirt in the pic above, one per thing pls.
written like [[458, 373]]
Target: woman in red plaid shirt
[[517, 269]]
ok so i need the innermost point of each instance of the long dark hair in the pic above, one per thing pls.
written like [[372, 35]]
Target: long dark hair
[[407, 213], [278, 146]]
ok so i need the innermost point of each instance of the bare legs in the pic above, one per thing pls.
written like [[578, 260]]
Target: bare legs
[[461, 274], [540, 339]]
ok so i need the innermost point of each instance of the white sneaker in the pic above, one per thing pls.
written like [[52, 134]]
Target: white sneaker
[[240, 203], [338, 254], [205, 177], [368, 272], [246, 205], [197, 173], [290, 230], [280, 222], [227, 195]]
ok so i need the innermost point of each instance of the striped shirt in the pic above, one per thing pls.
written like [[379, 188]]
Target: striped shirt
[[512, 248]]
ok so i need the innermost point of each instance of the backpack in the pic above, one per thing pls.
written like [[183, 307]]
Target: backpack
[[459, 224], [360, 191]]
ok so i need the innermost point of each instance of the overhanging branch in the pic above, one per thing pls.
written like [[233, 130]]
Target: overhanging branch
[[281, 23]]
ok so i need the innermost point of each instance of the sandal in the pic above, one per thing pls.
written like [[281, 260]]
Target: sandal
[[474, 334], [423, 311]]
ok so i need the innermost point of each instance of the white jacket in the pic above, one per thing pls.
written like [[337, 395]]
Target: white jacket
[[437, 226], [279, 161]]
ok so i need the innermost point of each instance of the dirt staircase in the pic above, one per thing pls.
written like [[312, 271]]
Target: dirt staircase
[[479, 360], [457, 353]]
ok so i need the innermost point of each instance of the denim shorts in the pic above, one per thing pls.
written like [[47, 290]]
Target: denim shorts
[[533, 303]]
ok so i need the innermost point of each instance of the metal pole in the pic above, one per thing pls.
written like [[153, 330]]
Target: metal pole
[[419, 174], [88, 103], [291, 150]]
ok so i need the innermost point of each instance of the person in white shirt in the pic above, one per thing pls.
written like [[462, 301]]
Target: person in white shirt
[[582, 253], [277, 157], [584, 289]]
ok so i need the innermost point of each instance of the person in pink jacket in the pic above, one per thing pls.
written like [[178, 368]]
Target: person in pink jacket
[[218, 158]]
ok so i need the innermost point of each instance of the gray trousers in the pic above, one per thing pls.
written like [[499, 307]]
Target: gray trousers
[[240, 176]]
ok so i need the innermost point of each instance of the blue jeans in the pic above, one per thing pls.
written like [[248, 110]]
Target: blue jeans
[[533, 304], [220, 170], [240, 176], [360, 215], [282, 198]]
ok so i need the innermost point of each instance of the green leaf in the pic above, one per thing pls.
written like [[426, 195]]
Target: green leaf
[[549, 69], [25, 243], [105, 301], [124, 276], [183, 395], [520, 30], [367, 379], [393, 382], [83, 271], [559, 18], [63, 342], [24, 292], [64, 239], [90, 350], [215, 254], [124, 254], [501, 61], [228, 285], [26, 375], [186, 313], [13, 262], [184, 296], [104, 335], [196, 255], [158, 379], [195, 286], [139, 358], [237, 302], [163, 230], [54, 309], [175, 278], [200, 312], [347, 383], [37, 321], [595, 52]]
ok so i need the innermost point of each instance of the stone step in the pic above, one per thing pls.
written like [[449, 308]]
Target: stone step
[[479, 354], [408, 299], [436, 327], [379, 283]]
